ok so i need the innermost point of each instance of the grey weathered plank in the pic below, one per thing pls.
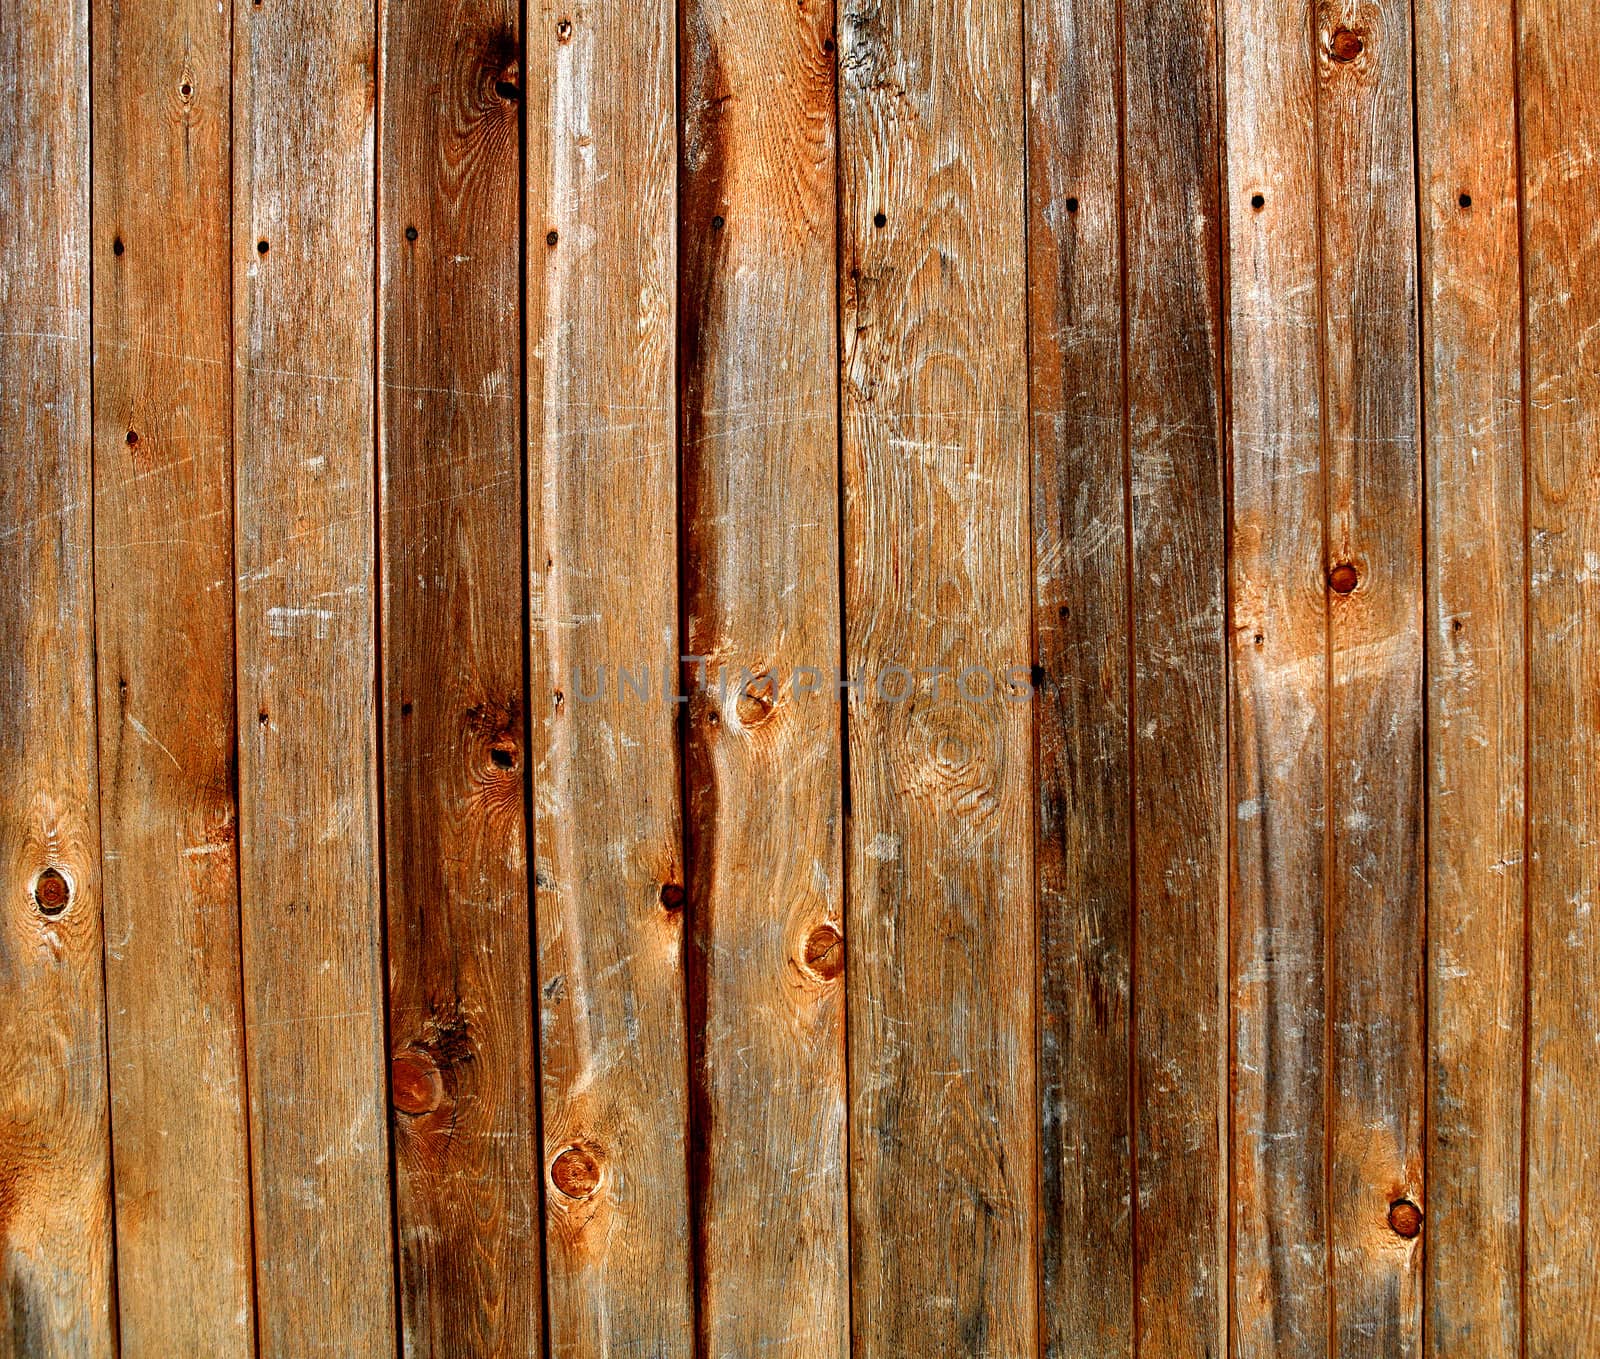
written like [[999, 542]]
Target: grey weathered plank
[[305, 552], [761, 597], [603, 563], [55, 1190], [163, 317]]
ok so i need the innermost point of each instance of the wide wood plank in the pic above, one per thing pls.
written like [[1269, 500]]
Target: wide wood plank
[[55, 1189], [1279, 715], [1080, 546], [1375, 772], [1559, 46], [163, 320], [761, 588], [1179, 701], [936, 546], [1472, 389], [304, 436], [603, 566], [461, 1042]]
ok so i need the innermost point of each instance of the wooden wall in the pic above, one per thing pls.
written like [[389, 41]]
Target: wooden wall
[[408, 946]]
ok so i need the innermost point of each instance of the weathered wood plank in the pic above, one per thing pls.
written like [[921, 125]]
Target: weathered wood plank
[[1559, 53], [761, 587], [1472, 391], [305, 550], [1279, 728], [55, 1190], [461, 1041], [603, 561], [1375, 571], [1179, 702], [1080, 546], [936, 545], [163, 318]]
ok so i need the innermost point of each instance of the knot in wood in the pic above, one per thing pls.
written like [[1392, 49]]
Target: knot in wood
[[1405, 1219], [825, 952], [1343, 578], [415, 1083], [576, 1172], [1345, 44], [52, 892]]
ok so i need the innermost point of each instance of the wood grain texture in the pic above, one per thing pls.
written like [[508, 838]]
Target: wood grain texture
[[936, 548], [1279, 732], [1472, 389], [1176, 465], [759, 400], [603, 561], [305, 551], [461, 1041], [1080, 530], [55, 1173], [1375, 571], [1559, 49], [163, 320]]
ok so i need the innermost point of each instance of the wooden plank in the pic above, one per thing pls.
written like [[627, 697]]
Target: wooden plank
[[461, 1039], [1080, 547], [936, 545], [1279, 731], [304, 78], [603, 560], [1179, 703], [55, 1190], [163, 322], [1559, 56], [1375, 772], [1472, 391], [761, 598]]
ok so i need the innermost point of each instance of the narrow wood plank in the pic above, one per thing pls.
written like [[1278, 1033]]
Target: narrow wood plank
[[304, 84], [1472, 392], [55, 1186], [1375, 570], [936, 545], [461, 1042], [1080, 546], [163, 319], [1179, 719], [603, 562], [1279, 703], [1559, 55], [761, 599]]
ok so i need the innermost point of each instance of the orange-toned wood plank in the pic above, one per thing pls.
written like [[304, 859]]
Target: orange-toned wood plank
[[761, 596], [55, 1189], [1279, 735], [936, 545], [461, 1043], [1472, 387], [1080, 528], [305, 551], [603, 563], [1559, 56], [163, 320], [1375, 582]]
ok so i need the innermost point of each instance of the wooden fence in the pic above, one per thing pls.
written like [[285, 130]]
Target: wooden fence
[[1137, 460]]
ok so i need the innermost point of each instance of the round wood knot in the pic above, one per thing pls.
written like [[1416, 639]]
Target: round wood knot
[[52, 892], [671, 896], [415, 1084], [1345, 44], [576, 1172], [757, 699], [1405, 1219], [1343, 578], [825, 952], [503, 752]]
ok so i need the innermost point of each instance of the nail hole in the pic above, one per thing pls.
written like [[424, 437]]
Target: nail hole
[[1258, 201], [879, 220], [671, 896], [564, 29], [411, 233], [1405, 1218], [502, 758], [576, 1172], [1465, 200], [1072, 205], [1456, 625], [262, 247], [1260, 638], [262, 717], [827, 44], [1345, 44], [51, 892], [117, 246], [717, 223], [186, 89], [1343, 578], [405, 708], [507, 91], [133, 438], [551, 237]]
